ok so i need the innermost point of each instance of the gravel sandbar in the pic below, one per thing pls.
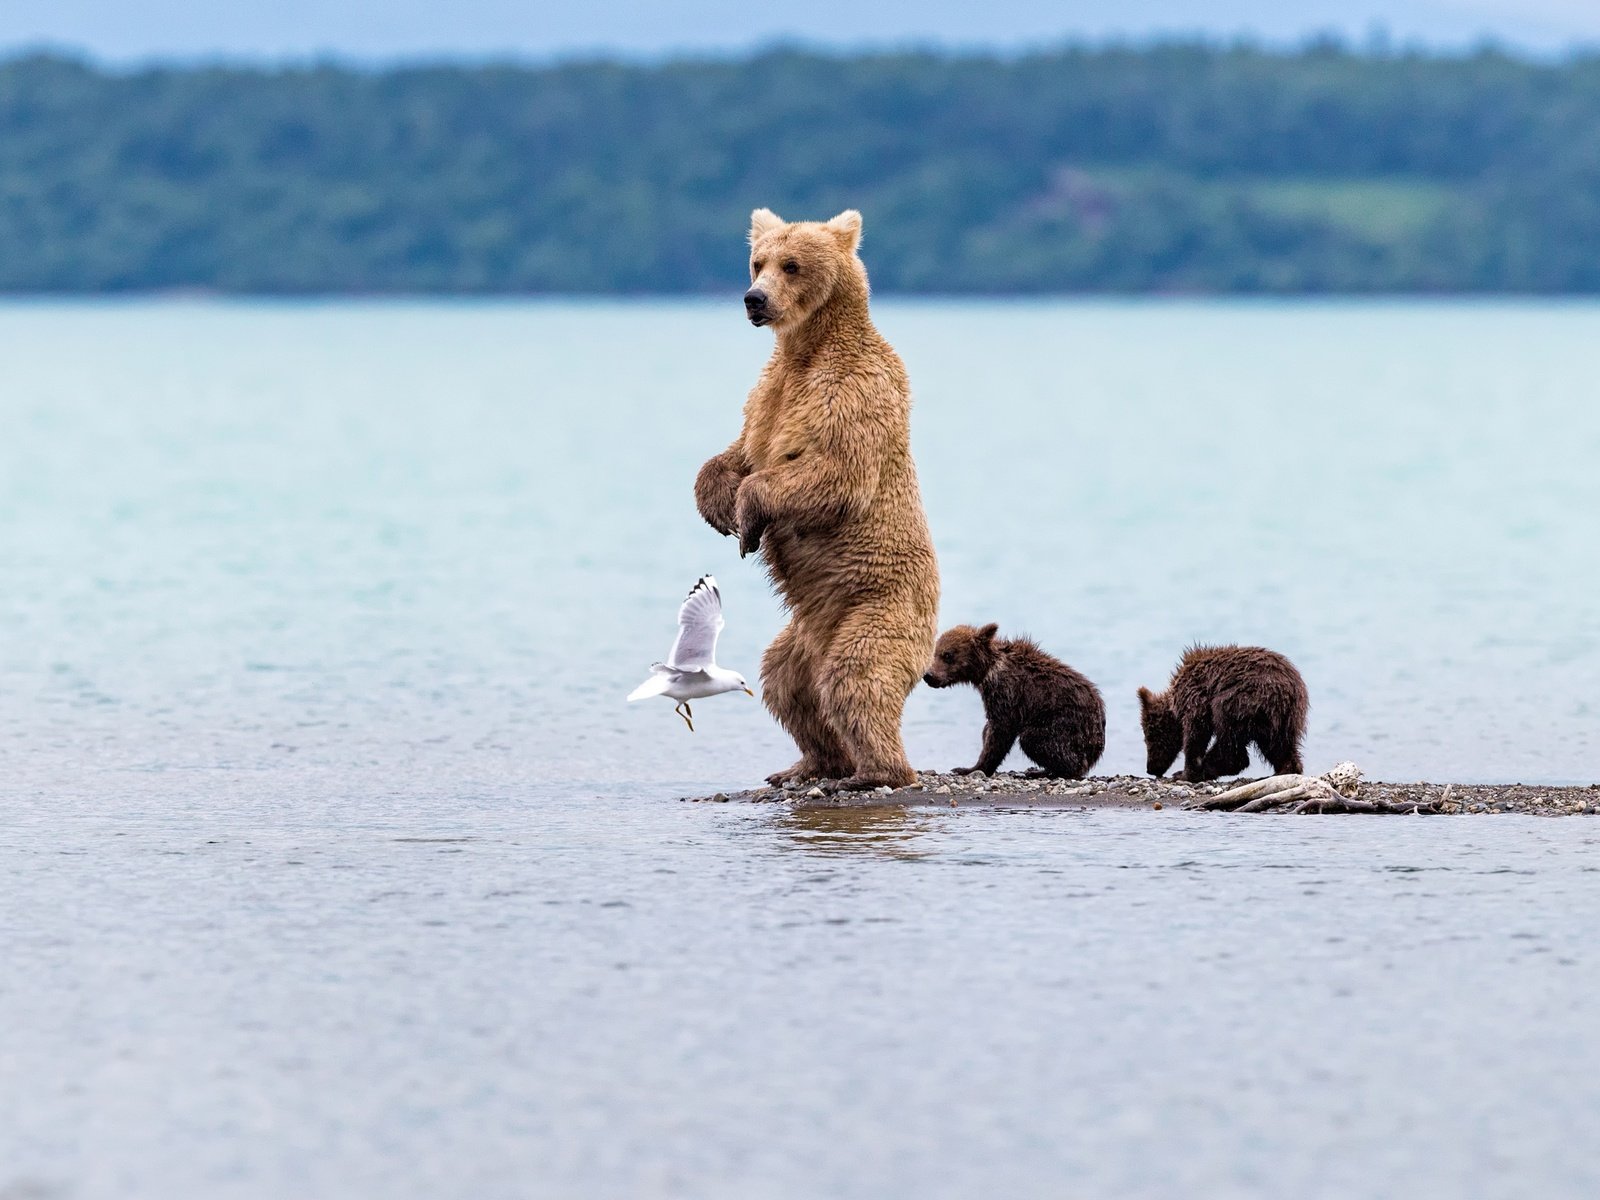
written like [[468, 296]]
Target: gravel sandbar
[[1015, 790]]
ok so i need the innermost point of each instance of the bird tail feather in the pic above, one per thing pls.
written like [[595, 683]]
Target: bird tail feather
[[660, 678]]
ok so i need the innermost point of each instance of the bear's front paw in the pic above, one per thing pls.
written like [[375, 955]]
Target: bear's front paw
[[716, 493], [962, 770]]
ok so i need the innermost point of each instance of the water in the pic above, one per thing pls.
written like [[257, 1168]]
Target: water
[[338, 868]]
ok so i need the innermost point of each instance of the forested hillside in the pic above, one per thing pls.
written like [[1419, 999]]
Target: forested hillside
[[1166, 168]]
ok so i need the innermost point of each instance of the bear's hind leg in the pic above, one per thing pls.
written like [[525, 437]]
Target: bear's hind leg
[[1053, 748], [1281, 748], [864, 688], [789, 690]]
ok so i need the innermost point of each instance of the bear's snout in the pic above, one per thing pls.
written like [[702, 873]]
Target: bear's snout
[[755, 306], [932, 680]]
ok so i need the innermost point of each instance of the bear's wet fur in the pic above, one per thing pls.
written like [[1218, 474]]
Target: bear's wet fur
[[821, 483], [1235, 695], [1029, 696]]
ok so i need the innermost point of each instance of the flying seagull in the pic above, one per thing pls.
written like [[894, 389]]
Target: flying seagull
[[691, 671]]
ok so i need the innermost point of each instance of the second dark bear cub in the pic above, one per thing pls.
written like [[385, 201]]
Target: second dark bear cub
[[1056, 712], [1236, 694]]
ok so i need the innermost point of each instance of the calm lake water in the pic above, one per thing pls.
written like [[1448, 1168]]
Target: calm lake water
[[338, 867]]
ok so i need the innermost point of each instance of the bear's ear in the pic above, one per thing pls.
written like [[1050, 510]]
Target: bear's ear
[[847, 228], [762, 222], [1145, 696], [988, 631]]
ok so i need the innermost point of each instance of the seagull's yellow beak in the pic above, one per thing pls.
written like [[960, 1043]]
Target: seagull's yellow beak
[[748, 692]]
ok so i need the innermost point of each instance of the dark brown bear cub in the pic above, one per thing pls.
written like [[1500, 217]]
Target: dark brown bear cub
[[1056, 713], [1235, 694]]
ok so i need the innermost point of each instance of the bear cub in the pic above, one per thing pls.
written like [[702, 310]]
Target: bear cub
[[1234, 694], [1056, 712]]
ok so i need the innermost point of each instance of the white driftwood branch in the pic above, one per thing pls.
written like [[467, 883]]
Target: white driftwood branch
[[1336, 792]]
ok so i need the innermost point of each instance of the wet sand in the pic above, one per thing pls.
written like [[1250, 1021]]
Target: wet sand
[[1015, 790]]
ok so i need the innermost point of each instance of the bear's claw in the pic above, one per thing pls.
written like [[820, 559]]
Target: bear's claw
[[750, 539]]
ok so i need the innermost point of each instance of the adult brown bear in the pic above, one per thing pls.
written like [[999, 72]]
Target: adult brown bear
[[821, 481]]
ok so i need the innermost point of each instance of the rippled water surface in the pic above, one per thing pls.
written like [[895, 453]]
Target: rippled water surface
[[337, 868]]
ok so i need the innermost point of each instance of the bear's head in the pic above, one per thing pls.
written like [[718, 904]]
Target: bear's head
[[1163, 736], [796, 267], [964, 654]]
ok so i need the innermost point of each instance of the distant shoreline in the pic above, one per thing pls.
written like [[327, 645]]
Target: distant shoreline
[[1010, 790], [1169, 168]]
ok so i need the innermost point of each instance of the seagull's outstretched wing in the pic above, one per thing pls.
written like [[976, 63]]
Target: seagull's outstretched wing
[[699, 622], [661, 677]]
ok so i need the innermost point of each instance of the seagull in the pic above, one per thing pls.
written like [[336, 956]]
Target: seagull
[[691, 671]]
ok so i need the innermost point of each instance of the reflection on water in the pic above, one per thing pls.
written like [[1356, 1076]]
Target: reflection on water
[[884, 832]]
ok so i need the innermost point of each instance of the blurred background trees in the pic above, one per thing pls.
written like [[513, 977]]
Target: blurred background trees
[[1173, 168]]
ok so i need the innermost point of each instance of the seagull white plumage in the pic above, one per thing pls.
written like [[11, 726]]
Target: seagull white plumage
[[691, 671]]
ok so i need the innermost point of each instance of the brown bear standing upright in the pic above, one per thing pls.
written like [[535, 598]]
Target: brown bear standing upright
[[821, 481], [1239, 695], [1056, 712]]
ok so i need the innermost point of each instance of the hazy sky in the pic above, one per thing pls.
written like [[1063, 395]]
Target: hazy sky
[[122, 29]]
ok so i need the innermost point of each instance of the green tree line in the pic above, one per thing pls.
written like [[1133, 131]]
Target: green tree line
[[1171, 167]]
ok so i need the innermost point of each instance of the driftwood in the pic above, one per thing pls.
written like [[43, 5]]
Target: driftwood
[[1336, 792]]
